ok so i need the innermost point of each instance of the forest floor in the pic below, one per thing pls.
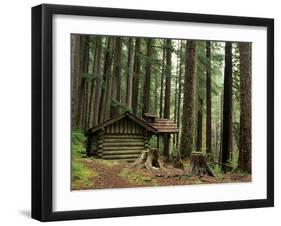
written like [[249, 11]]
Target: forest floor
[[100, 173]]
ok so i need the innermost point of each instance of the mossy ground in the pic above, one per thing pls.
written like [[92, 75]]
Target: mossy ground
[[93, 173]]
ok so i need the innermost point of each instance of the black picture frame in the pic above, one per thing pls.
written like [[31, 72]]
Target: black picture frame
[[42, 111]]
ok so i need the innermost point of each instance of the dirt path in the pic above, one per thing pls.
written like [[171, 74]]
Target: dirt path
[[108, 174], [117, 174]]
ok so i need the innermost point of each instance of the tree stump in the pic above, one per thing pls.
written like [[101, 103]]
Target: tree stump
[[177, 161], [152, 160], [149, 159], [199, 165]]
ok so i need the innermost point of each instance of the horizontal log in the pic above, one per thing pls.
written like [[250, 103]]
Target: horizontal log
[[108, 148], [123, 140], [168, 126], [168, 131], [133, 156], [130, 136], [164, 123], [124, 144], [120, 152]]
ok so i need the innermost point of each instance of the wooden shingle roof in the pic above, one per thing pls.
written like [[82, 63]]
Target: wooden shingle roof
[[133, 117], [157, 126], [164, 126]]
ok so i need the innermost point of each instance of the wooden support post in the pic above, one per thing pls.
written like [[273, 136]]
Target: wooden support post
[[167, 138], [158, 141], [146, 140], [100, 143]]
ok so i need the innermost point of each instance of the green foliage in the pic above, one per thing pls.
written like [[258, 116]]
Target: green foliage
[[122, 107], [77, 143], [217, 170], [89, 77], [136, 177], [153, 143], [175, 152], [178, 61], [81, 175], [234, 159]]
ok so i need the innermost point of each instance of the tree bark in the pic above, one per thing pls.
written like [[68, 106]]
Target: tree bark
[[116, 86], [245, 157], [208, 100], [188, 115], [199, 125], [136, 76], [167, 93], [199, 165], [227, 107], [162, 79], [98, 85], [176, 100], [179, 96], [104, 111], [93, 85], [221, 129], [84, 67], [129, 90], [75, 77], [146, 88]]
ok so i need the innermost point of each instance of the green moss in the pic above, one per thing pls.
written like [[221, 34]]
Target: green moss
[[78, 144], [82, 177], [217, 170], [106, 162], [136, 178], [186, 163]]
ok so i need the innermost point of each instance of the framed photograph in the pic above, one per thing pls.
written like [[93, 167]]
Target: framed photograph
[[146, 112]]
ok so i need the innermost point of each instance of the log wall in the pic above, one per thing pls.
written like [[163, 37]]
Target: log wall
[[123, 140]]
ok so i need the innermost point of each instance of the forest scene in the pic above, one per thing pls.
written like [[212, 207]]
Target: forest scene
[[159, 112]]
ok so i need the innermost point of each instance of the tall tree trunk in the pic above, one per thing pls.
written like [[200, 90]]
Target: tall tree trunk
[[93, 85], [86, 88], [136, 76], [89, 85], [208, 100], [167, 92], [227, 107], [176, 91], [162, 79], [179, 95], [176, 101], [98, 85], [146, 87], [116, 86], [129, 90], [188, 115], [84, 66], [221, 130], [214, 141], [244, 161], [199, 125], [156, 94], [104, 111], [75, 77]]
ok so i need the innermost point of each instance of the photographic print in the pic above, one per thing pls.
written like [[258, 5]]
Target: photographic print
[[159, 112], [133, 105]]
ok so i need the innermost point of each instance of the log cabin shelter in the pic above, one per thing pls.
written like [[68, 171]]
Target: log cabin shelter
[[126, 135]]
